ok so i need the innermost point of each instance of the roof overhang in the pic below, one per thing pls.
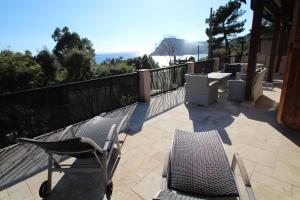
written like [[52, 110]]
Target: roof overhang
[[272, 8]]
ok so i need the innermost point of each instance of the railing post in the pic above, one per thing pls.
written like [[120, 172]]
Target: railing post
[[216, 64], [191, 67], [144, 84]]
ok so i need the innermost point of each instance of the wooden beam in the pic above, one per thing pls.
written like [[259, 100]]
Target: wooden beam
[[274, 50], [281, 50], [254, 44], [272, 7], [288, 74]]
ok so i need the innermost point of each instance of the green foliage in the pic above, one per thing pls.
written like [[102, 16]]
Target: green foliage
[[203, 58], [18, 71], [267, 28], [225, 25], [78, 64], [48, 64], [144, 62], [74, 53], [102, 70], [238, 43], [61, 75], [66, 41], [126, 100], [113, 67], [191, 59]]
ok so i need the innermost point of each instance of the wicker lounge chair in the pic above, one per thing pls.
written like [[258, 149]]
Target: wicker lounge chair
[[94, 142], [197, 168]]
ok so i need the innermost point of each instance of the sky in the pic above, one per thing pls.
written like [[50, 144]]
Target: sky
[[111, 25]]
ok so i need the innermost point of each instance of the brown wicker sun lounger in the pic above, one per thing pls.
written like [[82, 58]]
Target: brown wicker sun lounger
[[197, 168]]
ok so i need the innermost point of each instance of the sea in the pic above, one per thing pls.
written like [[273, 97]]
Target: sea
[[163, 61]]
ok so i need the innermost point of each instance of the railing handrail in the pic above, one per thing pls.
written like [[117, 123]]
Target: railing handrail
[[211, 59], [66, 84], [165, 68]]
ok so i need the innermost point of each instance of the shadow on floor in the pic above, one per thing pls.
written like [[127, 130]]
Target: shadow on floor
[[83, 185], [21, 162], [265, 110], [221, 114], [214, 117], [159, 104]]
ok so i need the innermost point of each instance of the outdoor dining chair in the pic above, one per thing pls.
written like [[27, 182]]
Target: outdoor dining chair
[[199, 91], [197, 168], [93, 141]]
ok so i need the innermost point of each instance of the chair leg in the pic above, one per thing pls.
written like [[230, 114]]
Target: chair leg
[[118, 145], [49, 174]]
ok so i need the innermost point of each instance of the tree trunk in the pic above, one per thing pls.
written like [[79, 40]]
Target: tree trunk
[[227, 50], [210, 50]]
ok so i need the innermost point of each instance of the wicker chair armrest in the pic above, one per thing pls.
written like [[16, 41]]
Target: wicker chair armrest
[[122, 123], [91, 143], [166, 165], [237, 161], [111, 137], [214, 84], [66, 131]]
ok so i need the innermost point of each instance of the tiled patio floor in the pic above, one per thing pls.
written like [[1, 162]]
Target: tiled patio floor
[[271, 153]]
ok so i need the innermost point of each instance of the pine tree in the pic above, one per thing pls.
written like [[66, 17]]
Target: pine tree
[[225, 24]]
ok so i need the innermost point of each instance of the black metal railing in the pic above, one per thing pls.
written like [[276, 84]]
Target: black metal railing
[[229, 59], [167, 79], [34, 112], [204, 67]]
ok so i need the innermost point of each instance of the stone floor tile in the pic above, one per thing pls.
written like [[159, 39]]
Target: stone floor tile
[[273, 183], [3, 194], [124, 195], [121, 172], [287, 173], [265, 170], [130, 179], [133, 160], [35, 182], [249, 165], [147, 166], [290, 158], [148, 186], [296, 193], [288, 145], [258, 155], [19, 191], [161, 156], [263, 192]]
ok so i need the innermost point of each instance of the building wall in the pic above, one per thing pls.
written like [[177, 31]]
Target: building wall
[[265, 46]]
